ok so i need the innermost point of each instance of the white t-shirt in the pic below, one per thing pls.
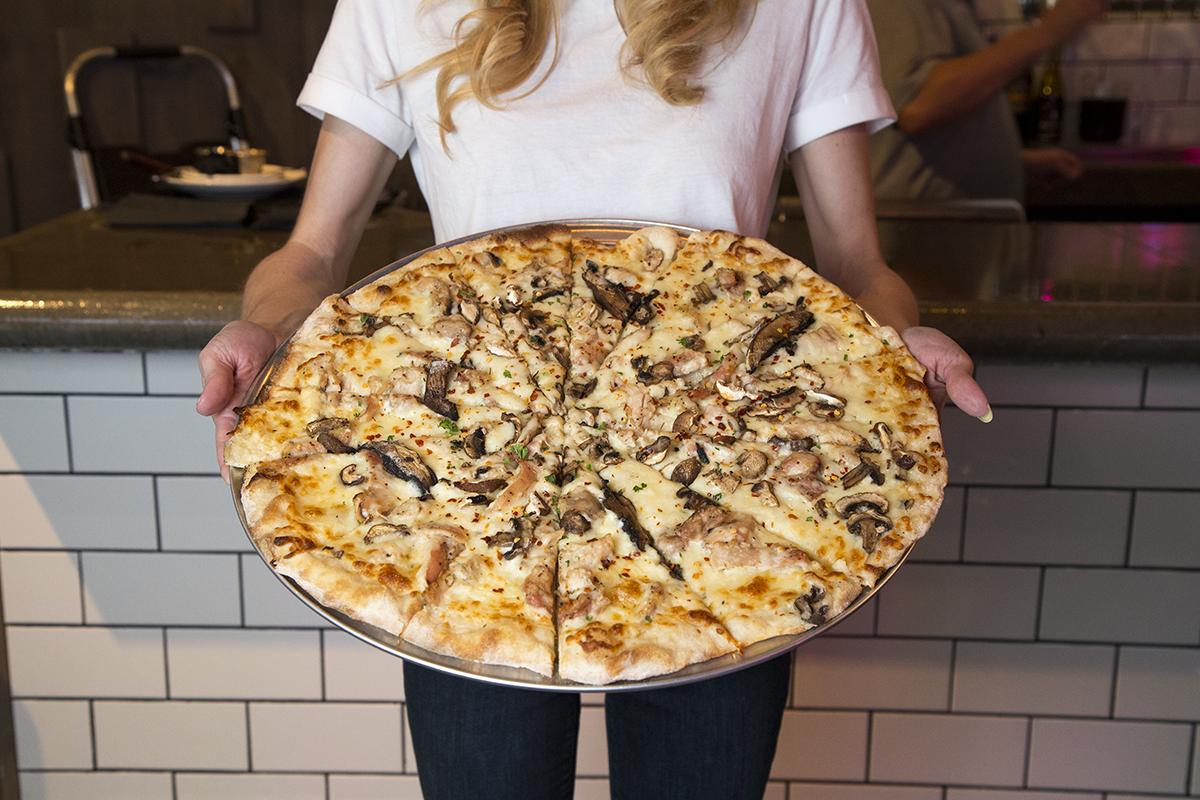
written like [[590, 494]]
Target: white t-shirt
[[590, 143]]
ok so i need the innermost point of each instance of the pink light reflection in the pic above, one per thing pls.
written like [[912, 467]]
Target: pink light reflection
[[1047, 290]]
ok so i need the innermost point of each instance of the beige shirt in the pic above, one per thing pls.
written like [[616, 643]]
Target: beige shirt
[[976, 157]]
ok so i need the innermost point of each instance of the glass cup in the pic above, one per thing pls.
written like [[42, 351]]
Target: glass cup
[[251, 160]]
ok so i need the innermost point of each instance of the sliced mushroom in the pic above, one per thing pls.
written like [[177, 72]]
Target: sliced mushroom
[[796, 444], [866, 516], [826, 405], [487, 259], [475, 444], [655, 451], [812, 607], [501, 349], [686, 421], [369, 324], [438, 291], [469, 310], [693, 500], [437, 382], [752, 463], [581, 390], [767, 284], [662, 371], [866, 469], [902, 458], [546, 292], [643, 306], [612, 297], [686, 471], [784, 328], [627, 514], [384, 530], [776, 403], [727, 481], [331, 433], [727, 278], [350, 476], [404, 463], [763, 491], [856, 503], [512, 298], [703, 294], [603, 452], [575, 522], [514, 542], [482, 487], [870, 526], [452, 328]]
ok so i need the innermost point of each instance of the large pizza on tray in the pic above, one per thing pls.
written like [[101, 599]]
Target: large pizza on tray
[[597, 460]]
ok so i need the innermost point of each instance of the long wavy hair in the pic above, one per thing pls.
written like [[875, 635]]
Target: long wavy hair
[[499, 45]]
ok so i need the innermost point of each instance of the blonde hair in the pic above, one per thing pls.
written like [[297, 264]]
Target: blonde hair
[[499, 46]]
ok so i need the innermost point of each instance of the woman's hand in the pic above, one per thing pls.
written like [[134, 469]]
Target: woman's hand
[[228, 364], [349, 170], [948, 371], [1050, 166]]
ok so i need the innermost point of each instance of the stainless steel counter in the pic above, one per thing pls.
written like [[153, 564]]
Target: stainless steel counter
[[1002, 287]]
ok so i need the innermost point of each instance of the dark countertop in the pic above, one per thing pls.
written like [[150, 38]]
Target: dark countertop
[[1124, 185], [1004, 289]]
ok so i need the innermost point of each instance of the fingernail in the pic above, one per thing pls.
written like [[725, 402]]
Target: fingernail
[[988, 416]]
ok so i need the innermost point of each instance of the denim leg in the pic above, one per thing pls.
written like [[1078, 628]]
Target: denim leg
[[474, 739], [712, 739]]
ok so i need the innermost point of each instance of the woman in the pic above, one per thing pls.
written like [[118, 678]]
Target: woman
[[527, 110]]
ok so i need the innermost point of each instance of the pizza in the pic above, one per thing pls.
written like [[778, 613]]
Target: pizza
[[599, 461]]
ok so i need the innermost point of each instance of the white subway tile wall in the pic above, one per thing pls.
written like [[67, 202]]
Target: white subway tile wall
[[1042, 642], [1151, 59]]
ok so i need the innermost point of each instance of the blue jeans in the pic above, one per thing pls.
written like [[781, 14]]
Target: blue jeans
[[712, 739]]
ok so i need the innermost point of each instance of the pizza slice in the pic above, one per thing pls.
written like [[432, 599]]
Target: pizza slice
[[494, 604], [349, 532], [758, 584], [525, 278], [612, 283], [622, 615], [854, 501], [437, 344]]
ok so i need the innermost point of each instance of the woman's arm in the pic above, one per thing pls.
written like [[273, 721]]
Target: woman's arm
[[833, 177], [348, 172]]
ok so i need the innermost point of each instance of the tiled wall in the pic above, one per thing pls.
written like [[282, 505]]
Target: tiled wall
[[1042, 643], [1145, 51]]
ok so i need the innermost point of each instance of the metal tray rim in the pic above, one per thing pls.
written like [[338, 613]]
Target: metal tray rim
[[515, 676]]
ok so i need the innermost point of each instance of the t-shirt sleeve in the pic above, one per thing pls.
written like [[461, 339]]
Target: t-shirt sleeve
[[915, 36], [354, 75], [840, 84]]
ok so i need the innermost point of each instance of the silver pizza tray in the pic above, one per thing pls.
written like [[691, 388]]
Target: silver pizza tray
[[604, 230]]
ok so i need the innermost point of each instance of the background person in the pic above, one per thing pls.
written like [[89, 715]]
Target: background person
[[955, 134]]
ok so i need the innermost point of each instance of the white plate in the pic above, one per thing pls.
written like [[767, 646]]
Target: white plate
[[253, 186]]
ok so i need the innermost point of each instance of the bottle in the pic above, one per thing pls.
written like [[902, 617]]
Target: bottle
[[1048, 104]]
